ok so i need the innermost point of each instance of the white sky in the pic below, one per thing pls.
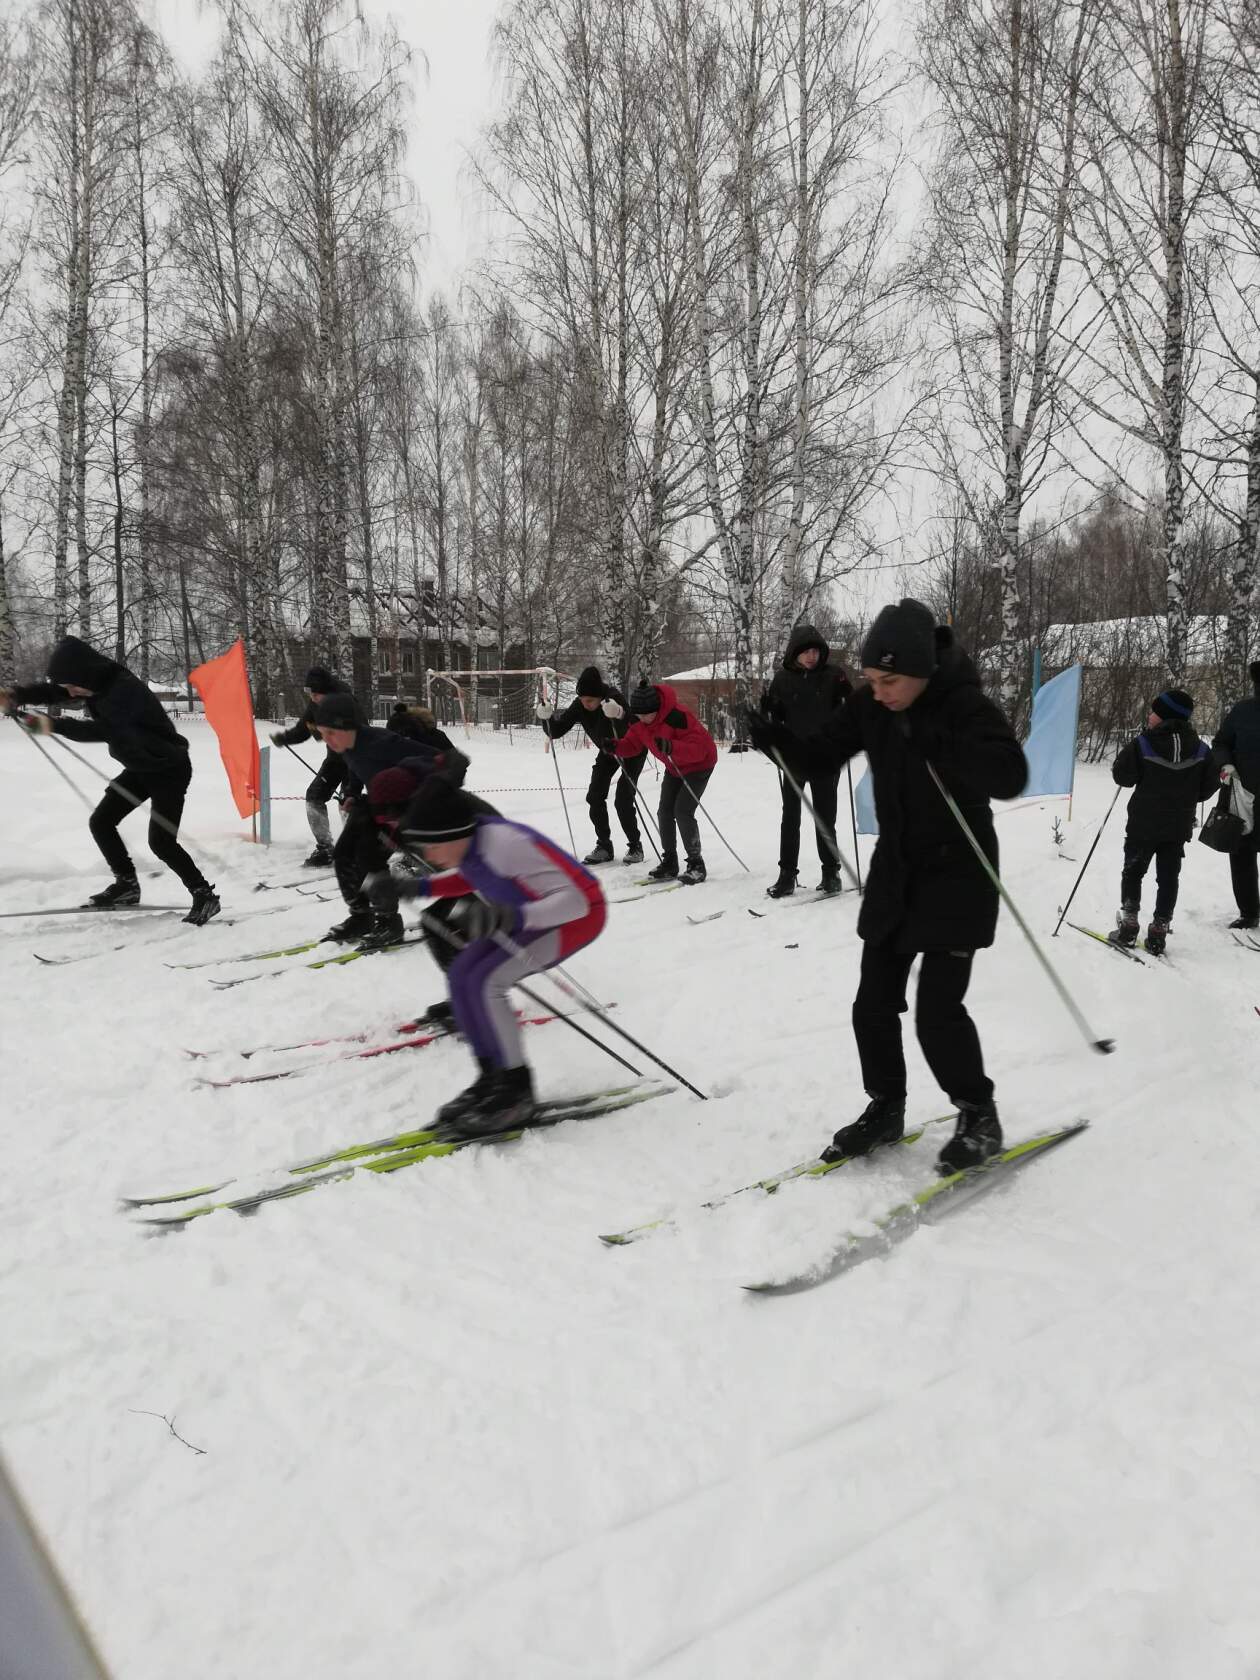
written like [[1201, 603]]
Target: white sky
[[453, 93]]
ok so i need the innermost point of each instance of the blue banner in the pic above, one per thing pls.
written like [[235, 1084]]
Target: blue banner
[[1051, 745], [864, 804]]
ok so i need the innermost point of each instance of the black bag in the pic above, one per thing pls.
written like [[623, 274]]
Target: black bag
[[1223, 830]]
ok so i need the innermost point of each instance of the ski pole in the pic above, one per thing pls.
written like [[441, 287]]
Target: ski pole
[[857, 856], [1104, 1046], [831, 842], [556, 767], [700, 805], [653, 833], [71, 784], [299, 758], [1084, 866]]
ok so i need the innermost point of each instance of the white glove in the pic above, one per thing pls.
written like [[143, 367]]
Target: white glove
[[1228, 772], [542, 711], [611, 709]]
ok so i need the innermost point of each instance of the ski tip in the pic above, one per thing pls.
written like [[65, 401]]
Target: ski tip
[[1104, 1046]]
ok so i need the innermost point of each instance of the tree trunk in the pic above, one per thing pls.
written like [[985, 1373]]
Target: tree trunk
[[120, 575], [1173, 388]]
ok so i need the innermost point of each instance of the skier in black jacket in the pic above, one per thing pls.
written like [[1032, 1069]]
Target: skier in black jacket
[[332, 772], [123, 712], [359, 852], [1171, 770], [802, 697], [1236, 749], [605, 716], [921, 704], [418, 723]]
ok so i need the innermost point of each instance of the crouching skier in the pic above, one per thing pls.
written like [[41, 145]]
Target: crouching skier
[[540, 905]]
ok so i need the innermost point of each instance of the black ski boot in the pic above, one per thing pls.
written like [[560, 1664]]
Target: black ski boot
[[634, 853], [785, 886], [1245, 922], [666, 869], [1127, 927], [694, 873], [356, 926], [499, 1100], [123, 889], [882, 1121], [600, 853], [978, 1135], [204, 905], [386, 930], [1157, 935], [438, 1017], [320, 858], [830, 883]]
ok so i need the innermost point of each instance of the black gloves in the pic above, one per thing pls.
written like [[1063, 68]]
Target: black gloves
[[500, 918], [767, 736]]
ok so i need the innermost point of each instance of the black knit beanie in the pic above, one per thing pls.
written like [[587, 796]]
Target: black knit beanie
[[901, 640], [1172, 703], [591, 684], [319, 680], [645, 700], [1254, 669], [439, 812], [338, 711]]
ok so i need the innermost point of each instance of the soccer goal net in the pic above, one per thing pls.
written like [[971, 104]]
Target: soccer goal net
[[491, 699]]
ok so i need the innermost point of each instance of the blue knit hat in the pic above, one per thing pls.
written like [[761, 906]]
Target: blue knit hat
[[1173, 703]]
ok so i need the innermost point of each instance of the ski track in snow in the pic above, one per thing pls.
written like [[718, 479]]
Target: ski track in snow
[[447, 1434]]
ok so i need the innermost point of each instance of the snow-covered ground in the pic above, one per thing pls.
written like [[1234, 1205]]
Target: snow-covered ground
[[443, 1432]]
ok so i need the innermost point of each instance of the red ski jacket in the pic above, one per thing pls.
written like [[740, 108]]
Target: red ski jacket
[[675, 736]]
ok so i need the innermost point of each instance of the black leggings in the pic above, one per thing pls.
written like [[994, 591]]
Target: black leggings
[[165, 795]]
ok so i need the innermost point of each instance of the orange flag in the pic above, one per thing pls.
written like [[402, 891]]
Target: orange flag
[[223, 685]]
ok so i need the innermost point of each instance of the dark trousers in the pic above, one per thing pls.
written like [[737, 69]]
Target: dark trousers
[[1137, 860], [678, 810], [822, 793], [607, 766], [165, 795], [946, 1033], [359, 852], [1244, 872]]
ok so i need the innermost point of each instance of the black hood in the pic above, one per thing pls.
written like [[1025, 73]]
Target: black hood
[[954, 668], [805, 636], [73, 661]]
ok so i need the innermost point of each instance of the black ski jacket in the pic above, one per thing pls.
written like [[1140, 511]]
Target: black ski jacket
[[1171, 770], [603, 731], [382, 749], [122, 710], [926, 890], [803, 701], [1237, 742], [414, 728], [304, 728]]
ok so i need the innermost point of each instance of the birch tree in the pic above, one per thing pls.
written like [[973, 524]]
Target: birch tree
[[1007, 76], [1148, 150]]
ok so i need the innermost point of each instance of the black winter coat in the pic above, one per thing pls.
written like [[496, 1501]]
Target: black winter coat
[[804, 701], [381, 749], [603, 731], [1237, 742], [304, 728], [926, 890], [412, 728], [123, 710], [1171, 770]]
